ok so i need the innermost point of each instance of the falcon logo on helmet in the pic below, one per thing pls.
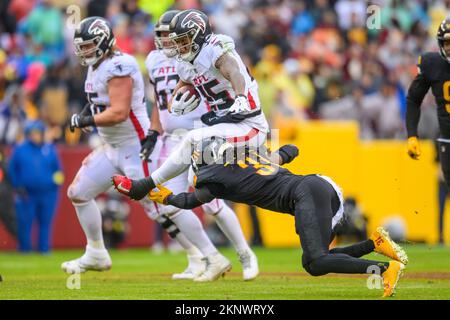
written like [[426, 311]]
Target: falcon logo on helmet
[[99, 27], [192, 20]]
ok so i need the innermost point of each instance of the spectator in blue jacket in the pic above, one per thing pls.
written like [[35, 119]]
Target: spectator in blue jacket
[[35, 173]]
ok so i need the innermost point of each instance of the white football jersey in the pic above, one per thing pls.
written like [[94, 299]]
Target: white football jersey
[[164, 77], [96, 87], [218, 91]]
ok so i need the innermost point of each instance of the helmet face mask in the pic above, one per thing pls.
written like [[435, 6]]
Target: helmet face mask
[[186, 48], [92, 40], [90, 55], [443, 36], [162, 31]]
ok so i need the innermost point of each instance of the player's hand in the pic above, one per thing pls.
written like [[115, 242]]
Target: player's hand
[[414, 148], [161, 195], [86, 111], [182, 105], [134, 189], [240, 105], [80, 121], [148, 144], [287, 153]]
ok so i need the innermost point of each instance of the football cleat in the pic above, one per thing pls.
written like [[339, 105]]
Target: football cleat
[[134, 189], [249, 263], [391, 277], [386, 246], [93, 259], [216, 265], [195, 267]]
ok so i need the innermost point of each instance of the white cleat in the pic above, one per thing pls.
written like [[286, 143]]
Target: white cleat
[[195, 267], [93, 259], [216, 265], [250, 269]]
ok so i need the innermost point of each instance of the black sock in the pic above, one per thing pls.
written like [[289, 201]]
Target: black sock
[[356, 250], [342, 263]]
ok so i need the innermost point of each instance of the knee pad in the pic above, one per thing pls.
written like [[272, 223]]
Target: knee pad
[[155, 210], [213, 207], [313, 267], [76, 195]]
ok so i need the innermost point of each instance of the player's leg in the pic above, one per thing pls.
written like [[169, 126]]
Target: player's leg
[[185, 220], [229, 224], [444, 158], [180, 159], [313, 220], [92, 179]]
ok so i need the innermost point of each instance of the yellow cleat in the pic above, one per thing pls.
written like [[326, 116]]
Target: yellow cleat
[[385, 246], [391, 277]]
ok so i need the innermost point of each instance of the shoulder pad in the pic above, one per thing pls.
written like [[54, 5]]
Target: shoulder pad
[[120, 66]]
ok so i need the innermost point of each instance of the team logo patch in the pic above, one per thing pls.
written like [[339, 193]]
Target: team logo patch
[[194, 19], [99, 27]]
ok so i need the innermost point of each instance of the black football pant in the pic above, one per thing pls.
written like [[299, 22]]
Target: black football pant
[[444, 158], [316, 204]]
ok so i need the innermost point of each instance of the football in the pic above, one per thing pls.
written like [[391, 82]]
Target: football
[[192, 91]]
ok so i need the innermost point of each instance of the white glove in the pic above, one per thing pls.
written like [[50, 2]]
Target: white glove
[[183, 106], [240, 105]]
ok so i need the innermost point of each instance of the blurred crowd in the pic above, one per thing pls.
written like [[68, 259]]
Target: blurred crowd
[[313, 59]]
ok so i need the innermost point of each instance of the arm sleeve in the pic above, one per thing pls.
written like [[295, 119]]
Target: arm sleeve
[[416, 92], [184, 200]]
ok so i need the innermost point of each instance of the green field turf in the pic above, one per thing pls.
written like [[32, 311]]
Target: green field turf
[[140, 274]]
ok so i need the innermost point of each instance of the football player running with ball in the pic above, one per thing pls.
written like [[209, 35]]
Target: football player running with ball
[[316, 202], [115, 91], [210, 63], [164, 136]]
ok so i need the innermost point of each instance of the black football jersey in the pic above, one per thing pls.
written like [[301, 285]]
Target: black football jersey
[[434, 73], [264, 185]]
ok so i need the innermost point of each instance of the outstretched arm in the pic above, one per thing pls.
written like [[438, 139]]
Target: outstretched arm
[[185, 200], [192, 200]]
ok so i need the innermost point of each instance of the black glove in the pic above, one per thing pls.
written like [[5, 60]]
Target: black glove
[[148, 144], [210, 118], [288, 152], [86, 111], [79, 120]]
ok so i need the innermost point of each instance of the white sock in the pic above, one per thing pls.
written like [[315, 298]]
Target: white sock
[[181, 239], [176, 163], [191, 227], [91, 221], [229, 224]]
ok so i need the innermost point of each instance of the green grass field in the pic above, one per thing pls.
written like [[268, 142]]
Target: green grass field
[[140, 274]]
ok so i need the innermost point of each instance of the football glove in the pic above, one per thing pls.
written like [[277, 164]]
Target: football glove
[[180, 106], [414, 148], [288, 153], [240, 105], [80, 121], [161, 195], [133, 189], [148, 144], [86, 111]]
